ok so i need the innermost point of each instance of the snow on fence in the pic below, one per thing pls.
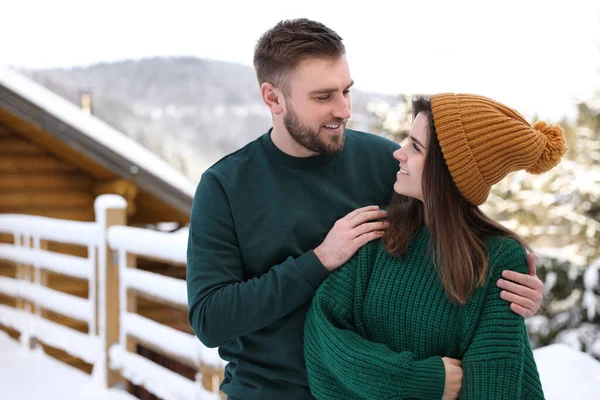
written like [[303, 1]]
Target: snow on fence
[[114, 326], [29, 252], [128, 243]]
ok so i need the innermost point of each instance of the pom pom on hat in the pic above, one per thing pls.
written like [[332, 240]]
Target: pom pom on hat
[[553, 150]]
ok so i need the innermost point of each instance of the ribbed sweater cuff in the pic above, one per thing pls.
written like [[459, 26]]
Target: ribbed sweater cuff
[[312, 269], [497, 379], [425, 379]]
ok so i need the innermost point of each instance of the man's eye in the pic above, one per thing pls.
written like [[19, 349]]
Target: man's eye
[[326, 97]]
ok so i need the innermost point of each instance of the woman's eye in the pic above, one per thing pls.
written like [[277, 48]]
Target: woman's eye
[[415, 147]]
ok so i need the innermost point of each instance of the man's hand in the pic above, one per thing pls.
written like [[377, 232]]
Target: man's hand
[[349, 234], [454, 375], [524, 292]]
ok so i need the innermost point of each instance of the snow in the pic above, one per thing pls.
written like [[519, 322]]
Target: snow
[[584, 337], [166, 246], [591, 281], [65, 264], [159, 380], [171, 341], [591, 304], [590, 278], [95, 129], [75, 232], [108, 202], [33, 375], [62, 303], [162, 287], [566, 254], [27, 375], [538, 324], [9, 286], [73, 342], [567, 374]]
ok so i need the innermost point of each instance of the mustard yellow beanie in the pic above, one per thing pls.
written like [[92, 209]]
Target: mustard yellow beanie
[[483, 140]]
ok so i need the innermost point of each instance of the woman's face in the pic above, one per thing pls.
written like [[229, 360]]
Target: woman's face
[[412, 159]]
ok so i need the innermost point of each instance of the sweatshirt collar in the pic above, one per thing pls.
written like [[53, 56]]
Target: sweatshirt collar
[[290, 161]]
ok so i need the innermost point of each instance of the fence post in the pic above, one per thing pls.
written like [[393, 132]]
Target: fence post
[[40, 279], [210, 378], [110, 211], [41, 275], [20, 272], [25, 274], [131, 307]]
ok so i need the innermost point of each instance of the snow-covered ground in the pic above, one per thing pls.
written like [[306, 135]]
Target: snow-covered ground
[[567, 373], [32, 375]]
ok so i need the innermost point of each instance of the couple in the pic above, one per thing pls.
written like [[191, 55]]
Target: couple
[[303, 288]]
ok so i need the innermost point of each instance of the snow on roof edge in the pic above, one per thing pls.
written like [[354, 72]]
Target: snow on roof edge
[[95, 129]]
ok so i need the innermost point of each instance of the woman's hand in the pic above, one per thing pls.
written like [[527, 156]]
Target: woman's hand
[[454, 375]]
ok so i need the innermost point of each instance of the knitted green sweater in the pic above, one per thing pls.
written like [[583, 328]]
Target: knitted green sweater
[[380, 325]]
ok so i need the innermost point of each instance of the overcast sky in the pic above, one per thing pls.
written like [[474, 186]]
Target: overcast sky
[[536, 56]]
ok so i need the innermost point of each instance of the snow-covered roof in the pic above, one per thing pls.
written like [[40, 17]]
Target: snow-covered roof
[[98, 140]]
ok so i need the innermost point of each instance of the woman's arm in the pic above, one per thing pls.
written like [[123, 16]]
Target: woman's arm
[[341, 363], [493, 364]]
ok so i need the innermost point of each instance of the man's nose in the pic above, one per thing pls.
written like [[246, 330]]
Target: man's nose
[[342, 109]]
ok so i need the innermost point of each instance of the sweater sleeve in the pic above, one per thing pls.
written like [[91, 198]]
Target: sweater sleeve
[[223, 303], [493, 364], [342, 364]]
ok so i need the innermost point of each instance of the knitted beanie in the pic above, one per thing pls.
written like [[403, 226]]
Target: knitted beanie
[[483, 140]]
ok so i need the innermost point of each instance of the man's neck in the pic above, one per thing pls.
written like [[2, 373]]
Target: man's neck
[[284, 142]]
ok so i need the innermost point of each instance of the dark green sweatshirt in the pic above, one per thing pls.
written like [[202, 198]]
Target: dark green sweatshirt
[[380, 325], [257, 215]]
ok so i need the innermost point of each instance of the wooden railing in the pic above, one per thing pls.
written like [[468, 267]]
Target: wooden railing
[[114, 285], [33, 261]]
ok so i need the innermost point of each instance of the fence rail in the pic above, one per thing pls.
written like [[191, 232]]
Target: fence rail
[[114, 283]]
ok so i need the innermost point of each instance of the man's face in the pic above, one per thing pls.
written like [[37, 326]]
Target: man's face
[[317, 104]]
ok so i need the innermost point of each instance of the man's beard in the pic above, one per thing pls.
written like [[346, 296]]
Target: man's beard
[[309, 138]]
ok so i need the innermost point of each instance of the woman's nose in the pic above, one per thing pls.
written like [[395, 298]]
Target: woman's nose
[[399, 155]]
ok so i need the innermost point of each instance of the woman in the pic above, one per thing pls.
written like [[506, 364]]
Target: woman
[[402, 315]]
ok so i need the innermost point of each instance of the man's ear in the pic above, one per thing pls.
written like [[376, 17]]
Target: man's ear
[[272, 97]]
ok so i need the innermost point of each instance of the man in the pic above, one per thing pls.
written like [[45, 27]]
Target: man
[[271, 221]]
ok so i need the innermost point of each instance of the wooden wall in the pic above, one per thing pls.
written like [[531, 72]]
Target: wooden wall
[[33, 181]]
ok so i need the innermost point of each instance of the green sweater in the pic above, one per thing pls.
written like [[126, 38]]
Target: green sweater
[[380, 325], [251, 270]]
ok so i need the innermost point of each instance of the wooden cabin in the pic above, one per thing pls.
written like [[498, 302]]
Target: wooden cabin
[[55, 159]]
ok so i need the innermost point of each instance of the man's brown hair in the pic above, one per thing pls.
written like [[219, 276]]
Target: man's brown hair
[[283, 47]]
